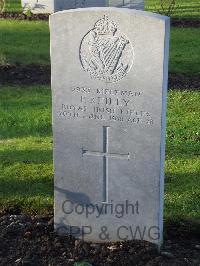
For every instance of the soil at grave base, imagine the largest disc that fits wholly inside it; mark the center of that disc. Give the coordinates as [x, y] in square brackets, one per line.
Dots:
[25, 75]
[185, 23]
[22, 16]
[41, 75]
[175, 22]
[30, 240]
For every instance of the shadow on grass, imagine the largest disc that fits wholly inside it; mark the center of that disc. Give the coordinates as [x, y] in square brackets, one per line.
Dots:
[22, 188]
[25, 42]
[26, 193]
[10, 157]
[189, 150]
[179, 227]
[182, 194]
[37, 131]
[181, 180]
[26, 180]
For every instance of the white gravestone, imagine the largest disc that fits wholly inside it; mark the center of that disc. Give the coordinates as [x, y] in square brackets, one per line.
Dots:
[38, 6]
[51, 6]
[109, 84]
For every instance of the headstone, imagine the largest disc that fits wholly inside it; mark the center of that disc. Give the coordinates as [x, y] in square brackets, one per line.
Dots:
[51, 6]
[136, 4]
[109, 84]
[71, 4]
[64, 5]
[38, 6]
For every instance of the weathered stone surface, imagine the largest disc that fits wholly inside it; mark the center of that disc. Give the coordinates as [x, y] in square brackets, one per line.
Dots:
[71, 4]
[136, 4]
[109, 83]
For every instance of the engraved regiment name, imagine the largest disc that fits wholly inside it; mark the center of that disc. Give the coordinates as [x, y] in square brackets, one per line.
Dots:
[107, 105]
[105, 53]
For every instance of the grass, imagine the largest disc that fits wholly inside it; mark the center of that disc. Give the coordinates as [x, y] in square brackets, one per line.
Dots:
[184, 8]
[184, 51]
[24, 42]
[13, 6]
[27, 42]
[26, 170]
[182, 195]
[26, 176]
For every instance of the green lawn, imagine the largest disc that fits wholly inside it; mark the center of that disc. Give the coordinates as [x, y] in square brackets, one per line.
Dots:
[182, 195]
[184, 8]
[24, 42]
[13, 6]
[26, 176]
[185, 51]
[26, 170]
[27, 42]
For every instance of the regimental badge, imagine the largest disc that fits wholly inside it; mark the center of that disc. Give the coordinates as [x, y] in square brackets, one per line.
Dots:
[105, 53]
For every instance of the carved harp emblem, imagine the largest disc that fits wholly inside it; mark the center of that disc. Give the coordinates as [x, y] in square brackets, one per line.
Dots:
[105, 53]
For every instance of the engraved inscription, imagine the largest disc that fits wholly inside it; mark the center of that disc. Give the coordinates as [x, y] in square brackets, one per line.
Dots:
[105, 53]
[105, 104]
[106, 155]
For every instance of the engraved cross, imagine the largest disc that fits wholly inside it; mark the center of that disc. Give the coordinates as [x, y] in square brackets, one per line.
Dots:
[106, 155]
